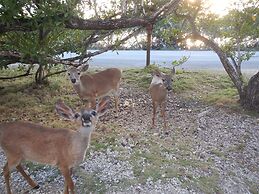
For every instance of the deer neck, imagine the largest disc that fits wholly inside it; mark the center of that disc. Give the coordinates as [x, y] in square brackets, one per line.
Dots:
[77, 87]
[85, 131]
[80, 89]
[83, 88]
[80, 143]
[156, 80]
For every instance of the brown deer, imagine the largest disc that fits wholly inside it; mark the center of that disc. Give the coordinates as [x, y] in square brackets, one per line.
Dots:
[160, 85]
[97, 85]
[60, 147]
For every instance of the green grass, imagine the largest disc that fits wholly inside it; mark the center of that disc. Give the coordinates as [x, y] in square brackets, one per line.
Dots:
[212, 88]
[90, 184]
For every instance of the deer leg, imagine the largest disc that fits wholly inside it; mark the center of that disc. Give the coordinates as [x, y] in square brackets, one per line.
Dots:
[92, 102]
[6, 173]
[163, 114]
[116, 99]
[69, 185]
[27, 177]
[13, 159]
[154, 114]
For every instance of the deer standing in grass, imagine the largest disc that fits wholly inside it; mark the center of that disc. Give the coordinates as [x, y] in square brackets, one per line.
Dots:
[160, 85]
[97, 85]
[64, 148]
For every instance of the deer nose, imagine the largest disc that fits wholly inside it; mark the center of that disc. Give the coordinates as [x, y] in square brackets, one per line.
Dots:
[169, 88]
[86, 120]
[73, 81]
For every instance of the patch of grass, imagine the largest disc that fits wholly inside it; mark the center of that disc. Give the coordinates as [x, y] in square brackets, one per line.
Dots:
[211, 88]
[137, 77]
[101, 142]
[218, 153]
[209, 184]
[253, 187]
[90, 183]
[223, 96]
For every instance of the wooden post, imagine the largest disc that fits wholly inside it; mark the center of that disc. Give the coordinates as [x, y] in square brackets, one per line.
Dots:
[149, 29]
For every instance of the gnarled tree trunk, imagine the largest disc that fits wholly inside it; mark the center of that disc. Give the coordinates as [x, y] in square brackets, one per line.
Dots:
[251, 100]
[248, 95]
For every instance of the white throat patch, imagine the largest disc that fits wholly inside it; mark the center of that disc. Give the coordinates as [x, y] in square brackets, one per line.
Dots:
[156, 80]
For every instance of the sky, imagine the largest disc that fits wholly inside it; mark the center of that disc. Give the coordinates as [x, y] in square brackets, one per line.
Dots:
[216, 6]
[219, 6]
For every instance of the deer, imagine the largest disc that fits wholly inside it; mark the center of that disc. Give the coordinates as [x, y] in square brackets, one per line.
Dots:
[94, 86]
[61, 147]
[159, 87]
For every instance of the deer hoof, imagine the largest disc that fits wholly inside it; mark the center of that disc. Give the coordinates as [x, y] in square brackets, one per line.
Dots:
[36, 187]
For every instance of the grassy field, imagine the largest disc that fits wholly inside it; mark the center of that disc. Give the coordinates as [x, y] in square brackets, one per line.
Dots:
[21, 99]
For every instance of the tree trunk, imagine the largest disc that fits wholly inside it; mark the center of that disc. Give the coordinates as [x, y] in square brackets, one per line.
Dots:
[39, 76]
[149, 41]
[249, 95]
[251, 99]
[233, 74]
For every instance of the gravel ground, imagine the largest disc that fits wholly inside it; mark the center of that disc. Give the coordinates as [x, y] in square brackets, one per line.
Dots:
[225, 141]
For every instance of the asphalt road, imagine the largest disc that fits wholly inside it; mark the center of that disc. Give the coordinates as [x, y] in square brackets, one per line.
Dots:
[198, 60]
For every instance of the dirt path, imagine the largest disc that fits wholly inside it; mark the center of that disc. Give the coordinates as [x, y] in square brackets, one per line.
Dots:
[204, 150]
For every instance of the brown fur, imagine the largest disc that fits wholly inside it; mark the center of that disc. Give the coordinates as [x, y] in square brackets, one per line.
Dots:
[95, 86]
[158, 95]
[158, 90]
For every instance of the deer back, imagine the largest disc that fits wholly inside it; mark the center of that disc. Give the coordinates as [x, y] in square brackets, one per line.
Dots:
[35, 142]
[100, 83]
[94, 85]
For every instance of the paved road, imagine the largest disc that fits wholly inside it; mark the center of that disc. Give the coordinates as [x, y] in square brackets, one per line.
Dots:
[199, 60]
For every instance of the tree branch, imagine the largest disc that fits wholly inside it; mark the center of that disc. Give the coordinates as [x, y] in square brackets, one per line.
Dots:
[27, 73]
[31, 24]
[170, 6]
[55, 73]
[74, 61]
[109, 47]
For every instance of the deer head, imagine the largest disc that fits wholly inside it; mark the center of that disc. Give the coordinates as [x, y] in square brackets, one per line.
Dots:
[75, 72]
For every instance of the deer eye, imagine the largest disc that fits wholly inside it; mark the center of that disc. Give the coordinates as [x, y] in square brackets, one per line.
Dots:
[94, 113]
[77, 115]
[78, 73]
[68, 74]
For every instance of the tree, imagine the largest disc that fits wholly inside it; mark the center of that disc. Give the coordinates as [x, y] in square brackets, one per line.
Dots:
[38, 32]
[240, 27]
[241, 30]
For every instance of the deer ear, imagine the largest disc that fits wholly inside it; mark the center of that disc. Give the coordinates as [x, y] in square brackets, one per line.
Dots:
[156, 72]
[83, 67]
[65, 111]
[103, 105]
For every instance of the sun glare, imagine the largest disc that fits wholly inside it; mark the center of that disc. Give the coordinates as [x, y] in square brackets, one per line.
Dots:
[219, 7]
[193, 43]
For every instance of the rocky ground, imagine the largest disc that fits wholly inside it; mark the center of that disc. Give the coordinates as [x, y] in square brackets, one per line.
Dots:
[205, 149]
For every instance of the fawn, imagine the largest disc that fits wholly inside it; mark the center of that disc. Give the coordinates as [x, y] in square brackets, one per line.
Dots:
[97, 85]
[64, 148]
[160, 85]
